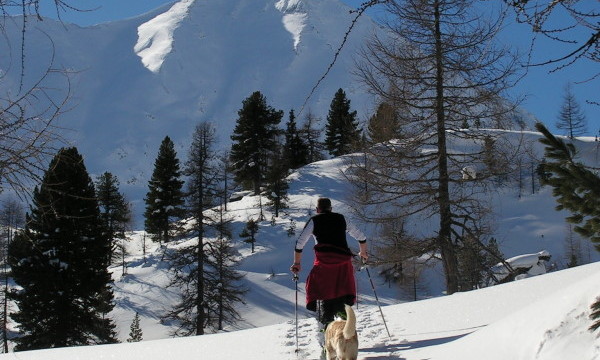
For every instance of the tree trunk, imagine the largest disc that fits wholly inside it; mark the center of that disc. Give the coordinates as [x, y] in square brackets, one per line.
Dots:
[444, 241]
[201, 316]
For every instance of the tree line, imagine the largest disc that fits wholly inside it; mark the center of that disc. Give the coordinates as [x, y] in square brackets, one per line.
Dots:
[261, 156]
[76, 227]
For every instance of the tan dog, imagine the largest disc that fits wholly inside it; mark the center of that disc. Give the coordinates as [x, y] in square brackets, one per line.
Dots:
[341, 340]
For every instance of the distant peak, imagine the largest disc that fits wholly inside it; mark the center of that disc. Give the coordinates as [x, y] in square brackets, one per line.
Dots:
[290, 6]
[155, 37]
[294, 18]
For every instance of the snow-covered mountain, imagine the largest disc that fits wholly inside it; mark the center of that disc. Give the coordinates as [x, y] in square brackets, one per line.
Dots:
[134, 81]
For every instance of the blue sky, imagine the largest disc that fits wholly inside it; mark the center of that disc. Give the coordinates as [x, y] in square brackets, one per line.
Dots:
[544, 90]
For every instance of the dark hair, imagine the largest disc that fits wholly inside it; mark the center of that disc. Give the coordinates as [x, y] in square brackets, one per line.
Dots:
[324, 204]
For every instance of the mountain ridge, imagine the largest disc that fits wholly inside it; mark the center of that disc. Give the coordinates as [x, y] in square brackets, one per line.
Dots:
[221, 52]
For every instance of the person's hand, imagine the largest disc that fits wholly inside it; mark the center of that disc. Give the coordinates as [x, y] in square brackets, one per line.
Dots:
[295, 268]
[363, 256]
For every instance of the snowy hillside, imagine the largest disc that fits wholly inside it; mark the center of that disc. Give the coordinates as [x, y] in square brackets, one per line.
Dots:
[134, 81]
[543, 317]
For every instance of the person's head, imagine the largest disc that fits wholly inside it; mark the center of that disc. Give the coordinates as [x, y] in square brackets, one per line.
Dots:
[323, 205]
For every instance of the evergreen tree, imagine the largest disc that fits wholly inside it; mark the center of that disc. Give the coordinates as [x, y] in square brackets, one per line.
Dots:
[295, 150]
[573, 253]
[254, 138]
[276, 183]
[228, 293]
[341, 131]
[202, 168]
[225, 178]
[311, 135]
[571, 118]
[249, 232]
[384, 125]
[541, 172]
[476, 260]
[576, 188]
[60, 260]
[135, 332]
[114, 212]
[164, 200]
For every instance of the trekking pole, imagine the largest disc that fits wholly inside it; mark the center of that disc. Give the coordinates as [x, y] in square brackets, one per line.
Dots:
[296, 310]
[376, 298]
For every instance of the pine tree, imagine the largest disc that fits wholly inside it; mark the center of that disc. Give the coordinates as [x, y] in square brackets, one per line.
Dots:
[164, 200]
[114, 212]
[311, 135]
[254, 138]
[202, 168]
[249, 232]
[576, 188]
[295, 150]
[60, 260]
[384, 124]
[276, 183]
[225, 178]
[228, 293]
[571, 118]
[135, 332]
[341, 131]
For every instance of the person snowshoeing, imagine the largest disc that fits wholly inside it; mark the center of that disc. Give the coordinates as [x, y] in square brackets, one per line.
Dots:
[332, 276]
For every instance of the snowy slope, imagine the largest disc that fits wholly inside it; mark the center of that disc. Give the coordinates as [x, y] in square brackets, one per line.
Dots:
[521, 221]
[134, 81]
[542, 318]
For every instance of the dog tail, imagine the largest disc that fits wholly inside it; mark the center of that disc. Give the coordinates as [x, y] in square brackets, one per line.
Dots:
[350, 327]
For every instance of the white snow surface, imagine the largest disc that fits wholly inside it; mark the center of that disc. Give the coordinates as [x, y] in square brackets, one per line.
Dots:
[545, 317]
[155, 37]
[294, 18]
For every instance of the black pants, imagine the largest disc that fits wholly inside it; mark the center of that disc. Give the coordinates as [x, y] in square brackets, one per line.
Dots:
[330, 308]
